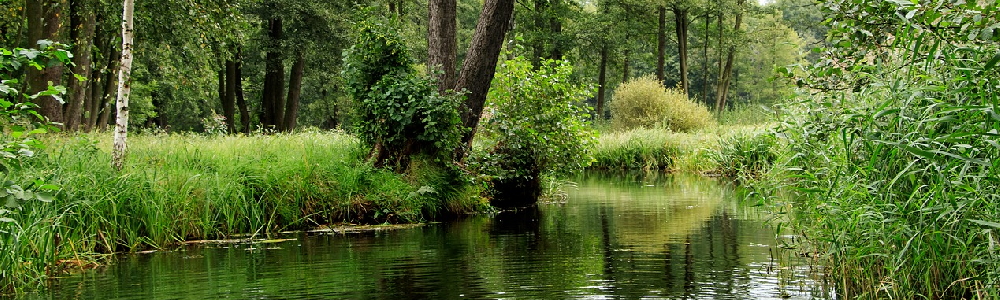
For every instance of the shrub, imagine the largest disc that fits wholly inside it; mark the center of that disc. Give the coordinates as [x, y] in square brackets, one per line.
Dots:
[644, 102]
[534, 129]
[399, 113]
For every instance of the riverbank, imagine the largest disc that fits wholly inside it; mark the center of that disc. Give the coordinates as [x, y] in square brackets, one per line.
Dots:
[176, 188]
[184, 187]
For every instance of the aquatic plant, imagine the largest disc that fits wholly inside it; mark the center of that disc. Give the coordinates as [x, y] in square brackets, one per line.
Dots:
[895, 164]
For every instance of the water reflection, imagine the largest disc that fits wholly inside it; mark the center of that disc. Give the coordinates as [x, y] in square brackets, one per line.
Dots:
[618, 236]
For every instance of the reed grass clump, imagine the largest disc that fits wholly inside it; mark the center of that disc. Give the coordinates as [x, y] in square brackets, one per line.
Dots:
[654, 149]
[644, 103]
[184, 187]
[746, 156]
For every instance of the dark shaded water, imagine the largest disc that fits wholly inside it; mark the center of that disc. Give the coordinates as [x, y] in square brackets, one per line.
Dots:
[657, 237]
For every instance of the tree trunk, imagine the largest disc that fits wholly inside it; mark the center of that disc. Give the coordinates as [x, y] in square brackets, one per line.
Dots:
[83, 23]
[704, 64]
[110, 82]
[294, 91]
[229, 102]
[661, 45]
[442, 44]
[240, 99]
[44, 24]
[538, 43]
[222, 87]
[602, 81]
[481, 62]
[92, 107]
[727, 72]
[274, 82]
[719, 78]
[555, 30]
[96, 92]
[681, 24]
[124, 88]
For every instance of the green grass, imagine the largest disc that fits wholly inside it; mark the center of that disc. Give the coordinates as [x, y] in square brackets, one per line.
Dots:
[899, 204]
[661, 149]
[183, 187]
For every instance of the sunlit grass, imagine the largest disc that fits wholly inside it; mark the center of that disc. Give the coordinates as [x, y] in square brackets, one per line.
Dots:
[661, 149]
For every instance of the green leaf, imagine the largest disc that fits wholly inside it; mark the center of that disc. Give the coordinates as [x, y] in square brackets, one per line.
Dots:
[992, 62]
[46, 197]
[986, 223]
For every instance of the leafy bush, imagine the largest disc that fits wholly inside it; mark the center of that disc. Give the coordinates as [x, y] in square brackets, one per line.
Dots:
[25, 241]
[534, 127]
[644, 103]
[399, 113]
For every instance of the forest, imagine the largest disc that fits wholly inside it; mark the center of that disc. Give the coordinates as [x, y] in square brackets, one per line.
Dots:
[866, 129]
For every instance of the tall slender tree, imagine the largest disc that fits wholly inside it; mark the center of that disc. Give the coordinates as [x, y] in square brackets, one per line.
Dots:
[124, 87]
[725, 77]
[45, 23]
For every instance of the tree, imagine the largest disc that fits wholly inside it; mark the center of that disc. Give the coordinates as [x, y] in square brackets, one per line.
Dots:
[481, 62]
[83, 23]
[442, 48]
[45, 23]
[726, 74]
[661, 42]
[681, 24]
[124, 87]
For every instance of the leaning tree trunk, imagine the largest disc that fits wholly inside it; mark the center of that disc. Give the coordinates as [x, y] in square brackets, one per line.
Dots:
[661, 45]
[681, 24]
[481, 62]
[294, 91]
[83, 23]
[442, 45]
[602, 81]
[44, 24]
[727, 72]
[124, 87]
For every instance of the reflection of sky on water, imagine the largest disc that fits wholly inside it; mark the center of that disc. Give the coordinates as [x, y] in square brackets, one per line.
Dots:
[626, 236]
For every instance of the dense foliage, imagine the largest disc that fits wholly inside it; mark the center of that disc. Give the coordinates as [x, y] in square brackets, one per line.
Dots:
[20, 243]
[896, 159]
[399, 113]
[534, 127]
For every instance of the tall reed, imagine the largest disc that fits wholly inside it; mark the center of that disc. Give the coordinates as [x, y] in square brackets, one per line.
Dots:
[183, 187]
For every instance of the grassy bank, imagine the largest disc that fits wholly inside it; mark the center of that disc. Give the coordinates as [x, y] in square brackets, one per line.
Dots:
[183, 187]
[706, 151]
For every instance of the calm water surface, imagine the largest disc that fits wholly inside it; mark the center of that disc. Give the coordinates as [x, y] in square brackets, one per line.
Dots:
[615, 237]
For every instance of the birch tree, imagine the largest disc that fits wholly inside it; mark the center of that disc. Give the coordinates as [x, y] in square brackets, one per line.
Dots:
[124, 87]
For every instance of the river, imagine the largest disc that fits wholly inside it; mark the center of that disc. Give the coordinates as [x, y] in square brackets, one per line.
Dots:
[625, 236]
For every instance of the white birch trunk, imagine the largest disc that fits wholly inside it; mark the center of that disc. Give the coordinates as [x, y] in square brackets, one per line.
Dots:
[124, 87]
